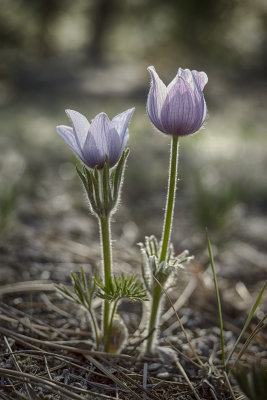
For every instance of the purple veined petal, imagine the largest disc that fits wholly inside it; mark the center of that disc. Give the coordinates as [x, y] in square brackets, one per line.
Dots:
[186, 75]
[173, 82]
[156, 98]
[100, 130]
[204, 113]
[120, 123]
[201, 79]
[93, 157]
[100, 127]
[103, 140]
[80, 126]
[178, 111]
[114, 147]
[67, 133]
[124, 139]
[196, 79]
[199, 116]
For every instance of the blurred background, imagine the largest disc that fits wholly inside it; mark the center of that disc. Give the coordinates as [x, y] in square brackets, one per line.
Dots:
[91, 56]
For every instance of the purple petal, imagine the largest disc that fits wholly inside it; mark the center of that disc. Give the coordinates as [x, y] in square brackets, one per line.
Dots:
[66, 132]
[192, 110]
[156, 98]
[204, 113]
[186, 75]
[124, 139]
[120, 123]
[93, 157]
[201, 79]
[114, 147]
[178, 111]
[99, 129]
[173, 82]
[80, 126]
[107, 142]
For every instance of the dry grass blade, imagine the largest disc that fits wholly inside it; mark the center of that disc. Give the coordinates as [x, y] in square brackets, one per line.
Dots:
[47, 369]
[219, 307]
[51, 307]
[250, 316]
[145, 377]
[63, 332]
[19, 396]
[25, 339]
[211, 389]
[112, 377]
[189, 289]
[70, 362]
[183, 355]
[255, 331]
[54, 387]
[27, 287]
[21, 316]
[187, 379]
[229, 385]
[28, 388]
[180, 323]
[133, 381]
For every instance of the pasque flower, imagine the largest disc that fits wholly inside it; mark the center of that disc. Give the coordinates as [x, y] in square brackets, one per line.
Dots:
[94, 142]
[178, 109]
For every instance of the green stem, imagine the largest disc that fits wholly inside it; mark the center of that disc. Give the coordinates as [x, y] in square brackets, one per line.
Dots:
[156, 296]
[165, 239]
[94, 323]
[112, 315]
[104, 222]
[166, 232]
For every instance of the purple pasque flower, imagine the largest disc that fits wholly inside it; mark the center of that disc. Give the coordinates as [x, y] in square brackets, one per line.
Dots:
[93, 142]
[178, 109]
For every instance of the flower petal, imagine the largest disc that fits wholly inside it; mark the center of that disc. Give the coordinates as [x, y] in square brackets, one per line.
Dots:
[173, 82]
[93, 157]
[186, 75]
[67, 133]
[121, 121]
[80, 126]
[156, 98]
[201, 79]
[99, 130]
[107, 142]
[115, 147]
[178, 109]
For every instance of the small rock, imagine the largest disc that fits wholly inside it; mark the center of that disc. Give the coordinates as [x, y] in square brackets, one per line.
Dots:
[154, 366]
[163, 375]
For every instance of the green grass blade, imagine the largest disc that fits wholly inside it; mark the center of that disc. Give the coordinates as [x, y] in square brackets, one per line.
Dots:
[217, 298]
[252, 312]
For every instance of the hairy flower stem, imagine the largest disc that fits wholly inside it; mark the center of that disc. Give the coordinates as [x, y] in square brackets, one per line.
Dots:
[165, 238]
[166, 232]
[104, 223]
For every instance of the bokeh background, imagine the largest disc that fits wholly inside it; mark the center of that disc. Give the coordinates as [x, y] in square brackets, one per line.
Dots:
[92, 56]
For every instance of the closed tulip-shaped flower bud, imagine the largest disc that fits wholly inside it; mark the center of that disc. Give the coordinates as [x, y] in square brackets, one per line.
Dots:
[93, 142]
[178, 109]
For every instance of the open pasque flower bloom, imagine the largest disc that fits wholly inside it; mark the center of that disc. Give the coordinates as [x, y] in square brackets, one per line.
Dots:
[93, 142]
[178, 109]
